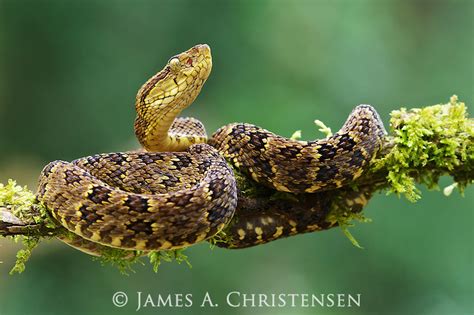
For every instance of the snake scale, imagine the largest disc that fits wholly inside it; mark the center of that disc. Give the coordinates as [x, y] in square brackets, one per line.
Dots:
[180, 190]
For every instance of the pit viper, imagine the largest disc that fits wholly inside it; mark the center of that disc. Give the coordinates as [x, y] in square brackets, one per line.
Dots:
[179, 189]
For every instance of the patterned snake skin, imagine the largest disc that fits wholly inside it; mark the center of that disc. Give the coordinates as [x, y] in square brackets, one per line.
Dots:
[181, 190]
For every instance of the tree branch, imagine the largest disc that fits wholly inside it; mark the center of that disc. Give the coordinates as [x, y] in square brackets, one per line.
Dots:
[423, 145]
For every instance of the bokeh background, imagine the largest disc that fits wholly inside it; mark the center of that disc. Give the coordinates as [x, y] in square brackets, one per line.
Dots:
[69, 72]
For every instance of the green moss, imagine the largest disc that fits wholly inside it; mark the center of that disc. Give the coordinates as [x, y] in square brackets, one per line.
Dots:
[323, 128]
[123, 260]
[22, 204]
[157, 257]
[221, 237]
[296, 135]
[429, 142]
[343, 216]
[22, 256]
[19, 199]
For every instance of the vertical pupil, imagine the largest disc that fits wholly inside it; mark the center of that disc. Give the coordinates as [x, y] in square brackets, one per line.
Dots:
[189, 61]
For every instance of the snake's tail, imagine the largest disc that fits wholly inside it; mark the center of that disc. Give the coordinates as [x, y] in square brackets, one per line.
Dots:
[364, 119]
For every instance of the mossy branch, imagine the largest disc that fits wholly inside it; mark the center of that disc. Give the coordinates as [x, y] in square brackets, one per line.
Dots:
[423, 144]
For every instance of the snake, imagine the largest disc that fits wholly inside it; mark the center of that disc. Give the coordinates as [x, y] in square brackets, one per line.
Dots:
[180, 189]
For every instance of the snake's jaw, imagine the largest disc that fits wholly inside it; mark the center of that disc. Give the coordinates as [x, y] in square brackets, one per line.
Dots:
[197, 63]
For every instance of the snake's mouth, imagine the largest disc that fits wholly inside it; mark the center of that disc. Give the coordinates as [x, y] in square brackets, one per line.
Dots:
[197, 57]
[202, 49]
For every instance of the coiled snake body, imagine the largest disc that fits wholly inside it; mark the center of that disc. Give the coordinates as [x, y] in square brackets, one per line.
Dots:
[181, 190]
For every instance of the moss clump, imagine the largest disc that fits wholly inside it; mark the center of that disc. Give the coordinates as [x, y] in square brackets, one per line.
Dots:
[124, 260]
[177, 255]
[344, 214]
[346, 220]
[428, 143]
[220, 237]
[22, 256]
[19, 199]
[22, 204]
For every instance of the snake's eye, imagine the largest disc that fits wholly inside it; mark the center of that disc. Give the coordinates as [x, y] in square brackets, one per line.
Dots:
[174, 63]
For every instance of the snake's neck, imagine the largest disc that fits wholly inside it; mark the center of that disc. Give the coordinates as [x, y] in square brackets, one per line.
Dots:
[153, 125]
[154, 132]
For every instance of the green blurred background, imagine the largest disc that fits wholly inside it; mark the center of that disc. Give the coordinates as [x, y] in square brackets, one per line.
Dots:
[69, 71]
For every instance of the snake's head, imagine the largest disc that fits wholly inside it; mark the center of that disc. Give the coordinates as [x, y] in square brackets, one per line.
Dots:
[197, 58]
[181, 79]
